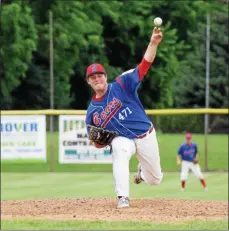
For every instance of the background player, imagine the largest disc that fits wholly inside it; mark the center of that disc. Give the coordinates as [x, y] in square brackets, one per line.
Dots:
[188, 158]
[116, 107]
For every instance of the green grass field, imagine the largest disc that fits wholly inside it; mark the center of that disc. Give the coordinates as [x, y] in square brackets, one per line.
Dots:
[168, 144]
[99, 225]
[32, 181]
[57, 185]
[75, 185]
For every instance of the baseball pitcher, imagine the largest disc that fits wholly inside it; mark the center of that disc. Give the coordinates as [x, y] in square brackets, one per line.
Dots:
[187, 157]
[117, 118]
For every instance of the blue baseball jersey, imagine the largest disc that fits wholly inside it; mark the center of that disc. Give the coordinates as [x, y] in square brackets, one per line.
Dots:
[120, 109]
[188, 152]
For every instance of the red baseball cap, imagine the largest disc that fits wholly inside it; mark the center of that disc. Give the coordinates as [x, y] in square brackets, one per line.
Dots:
[95, 68]
[188, 136]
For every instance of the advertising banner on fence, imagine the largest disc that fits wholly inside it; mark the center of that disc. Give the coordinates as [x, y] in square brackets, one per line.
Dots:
[23, 137]
[74, 146]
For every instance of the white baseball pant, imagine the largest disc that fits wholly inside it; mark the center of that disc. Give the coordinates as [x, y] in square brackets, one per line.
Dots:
[148, 155]
[195, 168]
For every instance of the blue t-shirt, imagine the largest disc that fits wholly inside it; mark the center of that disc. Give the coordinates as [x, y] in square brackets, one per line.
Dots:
[120, 109]
[188, 152]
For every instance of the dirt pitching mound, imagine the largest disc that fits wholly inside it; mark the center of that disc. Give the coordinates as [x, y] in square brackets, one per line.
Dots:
[160, 210]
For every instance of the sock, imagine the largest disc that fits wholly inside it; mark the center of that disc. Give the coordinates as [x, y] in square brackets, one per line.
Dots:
[183, 184]
[141, 176]
[202, 181]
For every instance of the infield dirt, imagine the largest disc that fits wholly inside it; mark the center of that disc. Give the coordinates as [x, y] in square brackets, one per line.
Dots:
[104, 209]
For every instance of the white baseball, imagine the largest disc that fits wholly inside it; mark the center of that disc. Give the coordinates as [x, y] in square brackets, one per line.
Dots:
[157, 21]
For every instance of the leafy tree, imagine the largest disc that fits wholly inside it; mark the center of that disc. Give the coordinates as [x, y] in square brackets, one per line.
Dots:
[116, 34]
[18, 40]
[190, 88]
[34, 90]
[126, 40]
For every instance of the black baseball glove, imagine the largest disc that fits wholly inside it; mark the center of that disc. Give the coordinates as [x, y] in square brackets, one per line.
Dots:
[100, 135]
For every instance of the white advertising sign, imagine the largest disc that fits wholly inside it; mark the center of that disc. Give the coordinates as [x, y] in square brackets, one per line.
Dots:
[74, 146]
[23, 137]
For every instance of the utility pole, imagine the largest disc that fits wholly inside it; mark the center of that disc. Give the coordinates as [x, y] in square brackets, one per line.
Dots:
[51, 128]
[51, 68]
[206, 116]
